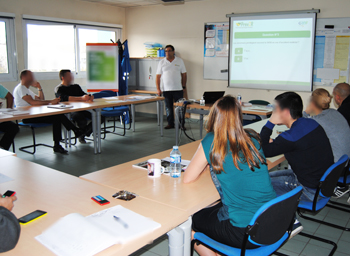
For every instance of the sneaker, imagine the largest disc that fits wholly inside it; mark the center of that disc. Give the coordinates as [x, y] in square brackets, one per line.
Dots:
[297, 228]
[340, 191]
[82, 140]
[59, 149]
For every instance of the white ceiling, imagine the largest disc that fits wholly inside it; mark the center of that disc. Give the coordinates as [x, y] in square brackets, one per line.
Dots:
[132, 3]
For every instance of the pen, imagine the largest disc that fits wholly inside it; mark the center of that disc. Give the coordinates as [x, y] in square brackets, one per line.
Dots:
[125, 225]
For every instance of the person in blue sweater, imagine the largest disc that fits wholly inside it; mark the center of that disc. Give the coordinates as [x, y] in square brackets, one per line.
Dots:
[236, 159]
[305, 146]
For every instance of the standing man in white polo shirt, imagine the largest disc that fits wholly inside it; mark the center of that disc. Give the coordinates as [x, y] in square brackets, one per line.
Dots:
[172, 72]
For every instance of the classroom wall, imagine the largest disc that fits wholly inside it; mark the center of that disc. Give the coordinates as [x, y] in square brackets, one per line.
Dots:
[65, 9]
[183, 26]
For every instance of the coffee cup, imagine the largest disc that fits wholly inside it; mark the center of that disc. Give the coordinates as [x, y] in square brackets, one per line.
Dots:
[155, 168]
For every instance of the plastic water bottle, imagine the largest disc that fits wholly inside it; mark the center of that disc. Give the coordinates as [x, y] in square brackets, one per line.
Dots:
[202, 101]
[239, 98]
[175, 162]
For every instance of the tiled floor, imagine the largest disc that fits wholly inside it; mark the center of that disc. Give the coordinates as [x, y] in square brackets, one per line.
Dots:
[145, 141]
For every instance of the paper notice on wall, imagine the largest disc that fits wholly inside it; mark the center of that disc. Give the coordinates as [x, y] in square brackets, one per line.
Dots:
[216, 41]
[210, 33]
[332, 56]
[328, 73]
[210, 43]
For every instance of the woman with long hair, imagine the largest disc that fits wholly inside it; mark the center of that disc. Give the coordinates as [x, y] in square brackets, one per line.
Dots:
[332, 121]
[239, 171]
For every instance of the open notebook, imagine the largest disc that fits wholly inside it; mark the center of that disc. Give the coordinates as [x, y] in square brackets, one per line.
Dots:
[76, 235]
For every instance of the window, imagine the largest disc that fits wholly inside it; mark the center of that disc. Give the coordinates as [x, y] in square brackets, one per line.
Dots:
[52, 46]
[8, 62]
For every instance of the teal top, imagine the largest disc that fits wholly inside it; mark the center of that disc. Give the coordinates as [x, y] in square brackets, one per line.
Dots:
[3, 92]
[243, 191]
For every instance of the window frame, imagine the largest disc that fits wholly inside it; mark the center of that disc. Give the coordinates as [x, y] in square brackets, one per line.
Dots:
[77, 26]
[11, 49]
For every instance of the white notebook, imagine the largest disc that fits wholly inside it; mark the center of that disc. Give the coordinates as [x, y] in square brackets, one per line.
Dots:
[76, 235]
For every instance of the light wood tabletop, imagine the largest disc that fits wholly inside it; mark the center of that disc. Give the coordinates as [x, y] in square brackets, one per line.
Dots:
[253, 110]
[170, 191]
[42, 188]
[39, 111]
[143, 92]
[4, 153]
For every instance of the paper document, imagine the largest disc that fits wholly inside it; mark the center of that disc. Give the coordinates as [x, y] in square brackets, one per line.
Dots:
[110, 98]
[76, 235]
[141, 97]
[165, 163]
[137, 225]
[60, 106]
[15, 112]
[4, 178]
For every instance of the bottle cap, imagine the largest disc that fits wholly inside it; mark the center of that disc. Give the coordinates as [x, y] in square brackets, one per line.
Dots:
[175, 147]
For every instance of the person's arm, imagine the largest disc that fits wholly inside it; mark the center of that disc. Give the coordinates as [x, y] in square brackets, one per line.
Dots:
[196, 167]
[9, 226]
[274, 147]
[38, 102]
[41, 95]
[184, 80]
[158, 84]
[9, 100]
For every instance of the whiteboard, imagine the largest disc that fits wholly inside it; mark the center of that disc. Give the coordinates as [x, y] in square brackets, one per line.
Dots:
[214, 66]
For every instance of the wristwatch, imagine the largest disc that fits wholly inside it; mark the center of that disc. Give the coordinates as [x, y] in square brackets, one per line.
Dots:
[40, 90]
[184, 87]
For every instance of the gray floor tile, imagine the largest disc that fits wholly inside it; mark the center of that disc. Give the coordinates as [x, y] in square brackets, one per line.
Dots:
[314, 250]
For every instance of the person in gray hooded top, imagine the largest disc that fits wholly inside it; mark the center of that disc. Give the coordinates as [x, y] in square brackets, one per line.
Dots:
[333, 122]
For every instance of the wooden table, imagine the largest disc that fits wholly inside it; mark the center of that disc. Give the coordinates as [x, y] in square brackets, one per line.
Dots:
[4, 153]
[169, 191]
[194, 108]
[42, 188]
[94, 108]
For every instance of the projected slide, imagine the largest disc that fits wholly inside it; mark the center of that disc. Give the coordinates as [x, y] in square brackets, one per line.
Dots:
[273, 52]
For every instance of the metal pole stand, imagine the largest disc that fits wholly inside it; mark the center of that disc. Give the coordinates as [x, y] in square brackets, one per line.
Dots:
[180, 239]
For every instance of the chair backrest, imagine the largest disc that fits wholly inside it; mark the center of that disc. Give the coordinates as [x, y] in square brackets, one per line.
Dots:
[259, 102]
[271, 222]
[111, 93]
[330, 178]
[99, 95]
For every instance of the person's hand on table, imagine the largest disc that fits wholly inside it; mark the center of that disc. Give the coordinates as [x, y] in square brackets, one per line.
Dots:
[7, 202]
[275, 118]
[86, 97]
[159, 92]
[91, 98]
[55, 101]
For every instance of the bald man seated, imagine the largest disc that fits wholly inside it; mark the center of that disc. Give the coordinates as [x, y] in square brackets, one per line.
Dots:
[341, 93]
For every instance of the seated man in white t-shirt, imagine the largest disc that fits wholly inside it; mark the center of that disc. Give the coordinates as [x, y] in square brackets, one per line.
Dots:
[172, 72]
[25, 97]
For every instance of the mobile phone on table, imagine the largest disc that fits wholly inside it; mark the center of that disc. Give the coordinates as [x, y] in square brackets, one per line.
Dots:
[100, 200]
[9, 193]
[31, 217]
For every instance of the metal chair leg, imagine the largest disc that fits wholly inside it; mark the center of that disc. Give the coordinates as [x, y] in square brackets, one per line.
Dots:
[323, 222]
[34, 145]
[321, 240]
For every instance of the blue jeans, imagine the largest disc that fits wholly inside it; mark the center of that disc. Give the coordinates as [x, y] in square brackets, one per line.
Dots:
[285, 180]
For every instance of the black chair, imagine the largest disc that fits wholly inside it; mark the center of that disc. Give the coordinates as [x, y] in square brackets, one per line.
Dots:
[269, 229]
[325, 190]
[33, 126]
